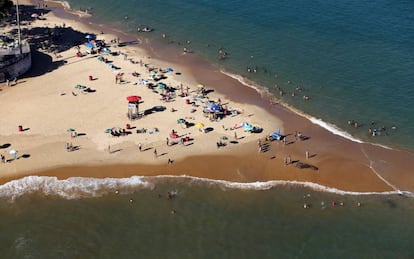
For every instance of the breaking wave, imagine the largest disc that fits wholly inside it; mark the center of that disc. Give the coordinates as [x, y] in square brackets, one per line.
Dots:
[71, 188]
[83, 187]
[334, 129]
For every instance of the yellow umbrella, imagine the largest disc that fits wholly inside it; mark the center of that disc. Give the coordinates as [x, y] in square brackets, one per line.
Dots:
[199, 125]
[200, 86]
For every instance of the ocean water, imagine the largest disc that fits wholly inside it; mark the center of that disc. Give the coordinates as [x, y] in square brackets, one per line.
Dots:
[41, 217]
[354, 59]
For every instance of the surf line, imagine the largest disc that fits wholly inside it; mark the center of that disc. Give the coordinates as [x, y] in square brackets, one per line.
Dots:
[371, 166]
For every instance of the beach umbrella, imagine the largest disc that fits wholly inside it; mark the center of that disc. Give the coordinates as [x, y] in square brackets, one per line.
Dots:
[89, 37]
[107, 131]
[34, 15]
[70, 130]
[13, 152]
[180, 120]
[133, 98]
[169, 69]
[199, 125]
[89, 45]
[161, 85]
[200, 86]
[248, 127]
[152, 73]
[215, 107]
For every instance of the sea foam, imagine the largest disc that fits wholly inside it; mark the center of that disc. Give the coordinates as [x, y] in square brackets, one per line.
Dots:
[84, 187]
[71, 188]
[334, 129]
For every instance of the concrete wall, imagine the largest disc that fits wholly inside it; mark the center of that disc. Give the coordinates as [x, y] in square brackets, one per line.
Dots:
[15, 65]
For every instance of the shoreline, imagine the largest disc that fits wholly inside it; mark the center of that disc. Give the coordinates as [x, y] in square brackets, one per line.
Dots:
[360, 157]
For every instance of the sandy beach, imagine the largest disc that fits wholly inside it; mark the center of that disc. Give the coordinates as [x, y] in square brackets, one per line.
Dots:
[48, 102]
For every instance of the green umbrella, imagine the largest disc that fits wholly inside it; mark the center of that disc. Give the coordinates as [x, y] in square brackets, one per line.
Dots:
[180, 120]
[70, 130]
[161, 85]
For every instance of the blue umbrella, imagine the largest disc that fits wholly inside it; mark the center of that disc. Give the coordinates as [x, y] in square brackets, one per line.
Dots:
[170, 69]
[215, 108]
[89, 37]
[89, 45]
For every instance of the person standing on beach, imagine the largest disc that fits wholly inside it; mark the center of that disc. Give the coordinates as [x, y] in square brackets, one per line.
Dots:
[155, 153]
[140, 147]
[307, 154]
[168, 141]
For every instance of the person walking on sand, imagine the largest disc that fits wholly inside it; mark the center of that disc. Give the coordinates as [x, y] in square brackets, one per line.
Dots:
[155, 153]
[168, 141]
[235, 135]
[140, 147]
[307, 154]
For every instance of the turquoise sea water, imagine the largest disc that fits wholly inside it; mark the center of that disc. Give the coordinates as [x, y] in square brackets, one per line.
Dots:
[202, 220]
[355, 59]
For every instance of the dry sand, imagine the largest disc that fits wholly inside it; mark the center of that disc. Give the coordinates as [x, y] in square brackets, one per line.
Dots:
[46, 103]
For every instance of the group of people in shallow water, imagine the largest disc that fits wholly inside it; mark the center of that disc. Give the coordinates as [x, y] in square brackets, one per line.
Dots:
[334, 203]
[372, 130]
